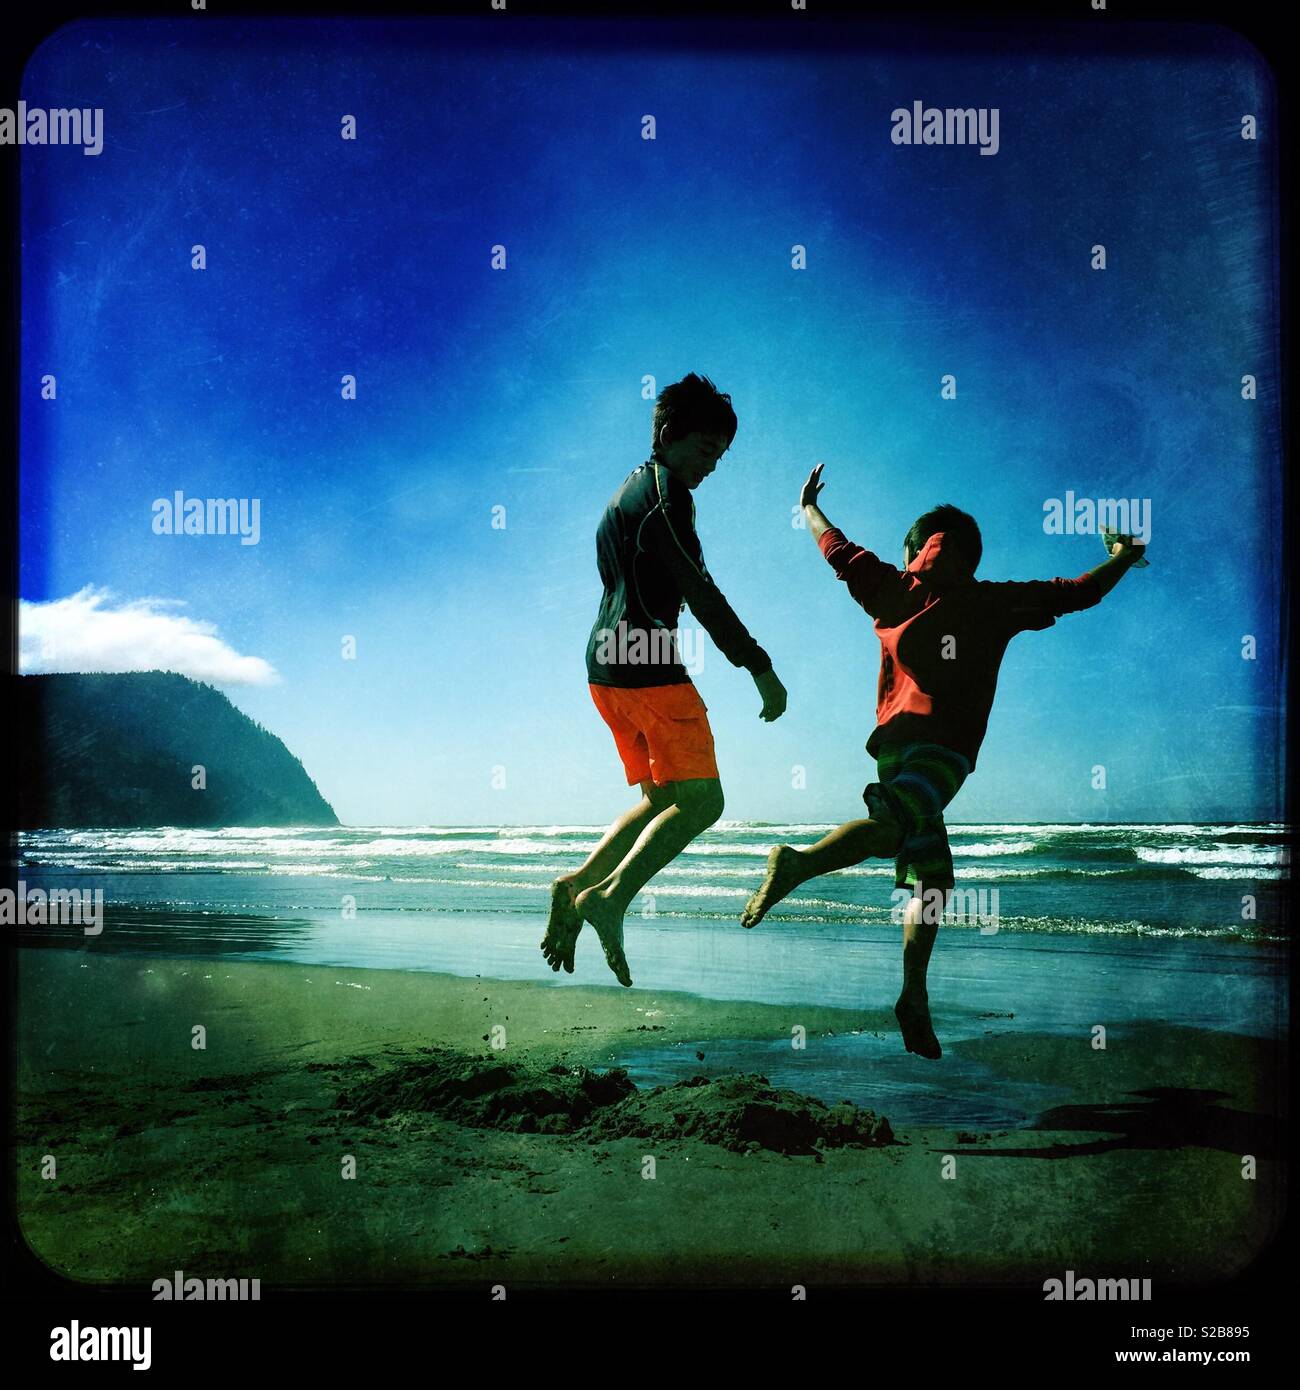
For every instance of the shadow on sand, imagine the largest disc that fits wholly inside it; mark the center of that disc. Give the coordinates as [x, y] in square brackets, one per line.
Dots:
[1164, 1117]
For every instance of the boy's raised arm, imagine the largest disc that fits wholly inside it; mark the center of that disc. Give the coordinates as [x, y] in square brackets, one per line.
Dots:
[869, 579]
[818, 522]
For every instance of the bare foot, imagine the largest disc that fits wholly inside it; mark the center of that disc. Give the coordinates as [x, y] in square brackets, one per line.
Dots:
[913, 1015]
[562, 927]
[608, 922]
[782, 878]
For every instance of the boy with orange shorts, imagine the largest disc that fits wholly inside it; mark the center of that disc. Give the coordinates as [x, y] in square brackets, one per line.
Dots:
[651, 566]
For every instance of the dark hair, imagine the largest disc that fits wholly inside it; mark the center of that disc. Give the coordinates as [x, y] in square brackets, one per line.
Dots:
[693, 405]
[958, 525]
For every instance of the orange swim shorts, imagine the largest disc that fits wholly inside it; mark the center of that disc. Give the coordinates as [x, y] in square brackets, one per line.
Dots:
[661, 731]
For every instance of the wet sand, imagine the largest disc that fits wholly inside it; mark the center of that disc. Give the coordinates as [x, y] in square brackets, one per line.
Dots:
[230, 1160]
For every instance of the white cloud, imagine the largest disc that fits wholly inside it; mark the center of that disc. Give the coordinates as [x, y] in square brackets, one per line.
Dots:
[89, 631]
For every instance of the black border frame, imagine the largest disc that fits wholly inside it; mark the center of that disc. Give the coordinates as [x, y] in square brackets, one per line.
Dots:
[980, 1331]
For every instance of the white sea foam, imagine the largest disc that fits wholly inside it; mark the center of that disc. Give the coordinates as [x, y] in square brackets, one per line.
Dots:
[980, 849]
[1228, 854]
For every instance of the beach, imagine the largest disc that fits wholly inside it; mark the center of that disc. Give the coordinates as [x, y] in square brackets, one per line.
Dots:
[391, 1088]
[228, 1161]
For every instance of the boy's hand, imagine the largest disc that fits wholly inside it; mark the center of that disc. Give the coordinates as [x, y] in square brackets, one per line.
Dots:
[814, 485]
[1133, 551]
[774, 696]
[1123, 554]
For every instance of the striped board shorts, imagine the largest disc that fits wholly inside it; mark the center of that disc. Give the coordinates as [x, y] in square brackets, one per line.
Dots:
[917, 780]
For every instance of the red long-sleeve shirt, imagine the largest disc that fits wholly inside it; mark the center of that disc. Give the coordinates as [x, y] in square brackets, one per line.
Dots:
[943, 634]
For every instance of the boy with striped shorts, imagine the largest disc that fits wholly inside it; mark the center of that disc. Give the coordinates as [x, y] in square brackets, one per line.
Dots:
[943, 634]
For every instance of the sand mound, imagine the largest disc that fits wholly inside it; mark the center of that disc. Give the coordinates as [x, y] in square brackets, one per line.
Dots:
[739, 1113]
[736, 1112]
[488, 1094]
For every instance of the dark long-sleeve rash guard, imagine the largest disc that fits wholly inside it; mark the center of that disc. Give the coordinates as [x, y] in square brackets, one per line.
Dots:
[650, 563]
[943, 634]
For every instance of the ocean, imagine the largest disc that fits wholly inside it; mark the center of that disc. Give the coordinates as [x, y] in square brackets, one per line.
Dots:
[1127, 880]
[1115, 924]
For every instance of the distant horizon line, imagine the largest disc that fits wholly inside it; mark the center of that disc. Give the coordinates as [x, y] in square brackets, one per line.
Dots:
[531, 824]
[488, 825]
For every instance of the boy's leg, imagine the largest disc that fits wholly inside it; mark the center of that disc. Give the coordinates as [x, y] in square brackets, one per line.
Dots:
[845, 846]
[621, 711]
[697, 803]
[620, 837]
[929, 778]
[565, 924]
[913, 1007]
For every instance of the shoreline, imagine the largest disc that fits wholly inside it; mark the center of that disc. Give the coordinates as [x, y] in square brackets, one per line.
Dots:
[1048, 982]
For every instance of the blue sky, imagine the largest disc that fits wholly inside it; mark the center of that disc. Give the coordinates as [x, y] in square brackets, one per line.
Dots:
[522, 389]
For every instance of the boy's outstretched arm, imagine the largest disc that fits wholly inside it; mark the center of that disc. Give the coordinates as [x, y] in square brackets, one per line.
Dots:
[1035, 604]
